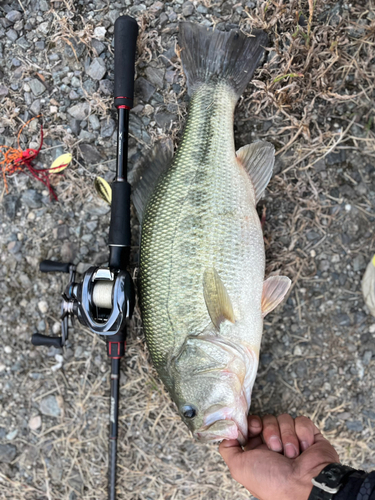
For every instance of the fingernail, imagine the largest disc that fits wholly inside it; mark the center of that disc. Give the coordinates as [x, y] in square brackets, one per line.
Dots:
[275, 443]
[304, 445]
[290, 450]
[254, 423]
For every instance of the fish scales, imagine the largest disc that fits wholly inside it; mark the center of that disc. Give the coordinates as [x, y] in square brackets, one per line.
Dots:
[202, 290]
[201, 215]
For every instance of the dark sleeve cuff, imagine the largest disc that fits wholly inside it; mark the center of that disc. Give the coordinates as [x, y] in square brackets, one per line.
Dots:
[358, 486]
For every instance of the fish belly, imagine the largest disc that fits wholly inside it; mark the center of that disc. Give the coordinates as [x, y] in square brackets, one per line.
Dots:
[201, 215]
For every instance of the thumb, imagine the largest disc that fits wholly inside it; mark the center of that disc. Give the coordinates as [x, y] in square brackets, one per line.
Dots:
[231, 452]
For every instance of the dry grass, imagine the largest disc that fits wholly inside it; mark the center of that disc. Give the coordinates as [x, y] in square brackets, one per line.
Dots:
[319, 74]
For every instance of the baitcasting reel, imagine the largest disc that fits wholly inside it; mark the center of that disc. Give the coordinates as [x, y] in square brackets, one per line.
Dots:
[103, 301]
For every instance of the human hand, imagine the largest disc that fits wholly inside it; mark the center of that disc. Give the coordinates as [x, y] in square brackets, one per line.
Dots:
[301, 453]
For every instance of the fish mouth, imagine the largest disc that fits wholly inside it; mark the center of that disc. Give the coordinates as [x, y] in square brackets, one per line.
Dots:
[225, 423]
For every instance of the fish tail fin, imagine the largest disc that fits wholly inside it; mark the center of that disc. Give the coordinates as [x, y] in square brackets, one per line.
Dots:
[212, 56]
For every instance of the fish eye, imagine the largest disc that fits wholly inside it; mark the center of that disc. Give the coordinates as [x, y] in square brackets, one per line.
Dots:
[189, 411]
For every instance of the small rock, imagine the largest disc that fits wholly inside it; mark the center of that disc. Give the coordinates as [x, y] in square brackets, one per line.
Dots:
[90, 153]
[301, 369]
[359, 263]
[37, 87]
[74, 49]
[336, 157]
[107, 127]
[320, 165]
[8, 453]
[73, 96]
[99, 33]
[8, 349]
[61, 232]
[31, 198]
[155, 76]
[43, 306]
[297, 351]
[69, 251]
[97, 69]
[106, 86]
[14, 247]
[87, 136]
[187, 9]
[94, 122]
[23, 43]
[98, 46]
[344, 416]
[75, 126]
[13, 16]
[35, 423]
[11, 204]
[3, 91]
[12, 35]
[143, 89]
[367, 357]
[324, 265]
[79, 111]
[354, 425]
[49, 406]
[312, 235]
[75, 82]
[11, 435]
[113, 15]
[40, 45]
[35, 107]
[44, 6]
[56, 327]
[90, 86]
[164, 118]
[342, 319]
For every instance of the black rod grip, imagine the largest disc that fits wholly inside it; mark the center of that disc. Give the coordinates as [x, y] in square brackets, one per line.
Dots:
[39, 339]
[119, 231]
[126, 32]
[51, 266]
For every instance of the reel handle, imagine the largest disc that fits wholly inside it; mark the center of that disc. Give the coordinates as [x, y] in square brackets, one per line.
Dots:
[39, 339]
[51, 266]
[126, 32]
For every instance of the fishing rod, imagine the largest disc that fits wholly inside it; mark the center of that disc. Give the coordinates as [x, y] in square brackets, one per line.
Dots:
[104, 299]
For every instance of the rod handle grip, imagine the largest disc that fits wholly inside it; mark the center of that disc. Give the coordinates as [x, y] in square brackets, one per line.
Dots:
[126, 32]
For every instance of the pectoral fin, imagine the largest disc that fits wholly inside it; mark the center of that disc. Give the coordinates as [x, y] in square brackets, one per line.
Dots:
[274, 290]
[217, 299]
[258, 159]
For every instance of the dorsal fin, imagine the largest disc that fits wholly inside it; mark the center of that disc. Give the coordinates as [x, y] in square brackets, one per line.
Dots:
[274, 290]
[258, 159]
[217, 299]
[147, 175]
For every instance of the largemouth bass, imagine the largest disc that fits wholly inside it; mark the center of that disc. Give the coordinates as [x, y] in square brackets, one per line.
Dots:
[202, 262]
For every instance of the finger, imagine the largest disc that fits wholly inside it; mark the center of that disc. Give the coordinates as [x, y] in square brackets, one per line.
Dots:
[288, 435]
[305, 429]
[254, 425]
[271, 433]
[232, 453]
[253, 443]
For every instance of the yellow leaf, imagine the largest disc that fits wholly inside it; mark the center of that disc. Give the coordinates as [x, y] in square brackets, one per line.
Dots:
[103, 189]
[60, 163]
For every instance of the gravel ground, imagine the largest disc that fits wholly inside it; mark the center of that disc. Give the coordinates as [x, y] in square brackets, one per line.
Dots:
[313, 98]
